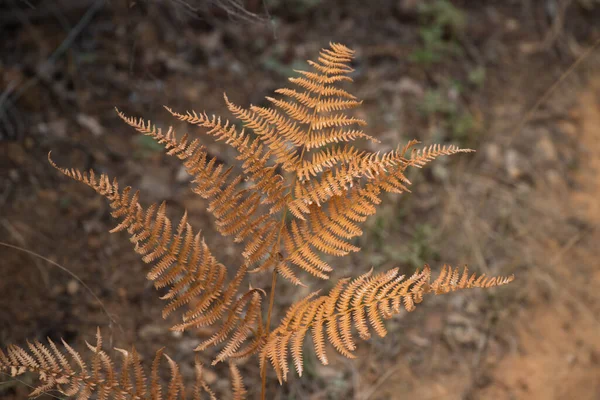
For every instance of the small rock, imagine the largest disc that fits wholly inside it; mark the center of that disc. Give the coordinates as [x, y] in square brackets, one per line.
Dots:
[568, 128]
[209, 376]
[434, 323]
[93, 226]
[546, 150]
[492, 153]
[90, 123]
[461, 329]
[472, 308]
[410, 86]
[327, 372]
[211, 42]
[182, 175]
[440, 172]
[408, 7]
[512, 163]
[522, 189]
[56, 128]
[529, 47]
[150, 330]
[72, 287]
[13, 174]
[419, 341]
[186, 343]
[458, 319]
[511, 25]
[554, 178]
[177, 334]
[156, 184]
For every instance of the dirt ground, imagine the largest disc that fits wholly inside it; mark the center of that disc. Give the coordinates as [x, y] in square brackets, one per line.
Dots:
[452, 72]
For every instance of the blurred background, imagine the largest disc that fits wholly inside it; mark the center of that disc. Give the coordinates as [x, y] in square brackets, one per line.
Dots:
[441, 71]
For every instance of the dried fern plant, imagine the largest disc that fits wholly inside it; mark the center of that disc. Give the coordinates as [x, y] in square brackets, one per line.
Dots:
[285, 224]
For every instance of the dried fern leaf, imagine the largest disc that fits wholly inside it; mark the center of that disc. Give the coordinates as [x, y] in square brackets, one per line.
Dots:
[308, 133]
[181, 261]
[283, 151]
[236, 208]
[253, 155]
[239, 390]
[362, 304]
[322, 181]
[66, 372]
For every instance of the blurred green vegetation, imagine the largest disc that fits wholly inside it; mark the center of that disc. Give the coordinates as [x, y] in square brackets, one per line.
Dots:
[441, 24]
[454, 119]
[146, 146]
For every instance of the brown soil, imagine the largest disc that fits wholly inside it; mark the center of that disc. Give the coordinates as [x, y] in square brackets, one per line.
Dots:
[557, 354]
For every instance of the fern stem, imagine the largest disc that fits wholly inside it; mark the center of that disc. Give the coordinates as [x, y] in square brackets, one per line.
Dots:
[263, 371]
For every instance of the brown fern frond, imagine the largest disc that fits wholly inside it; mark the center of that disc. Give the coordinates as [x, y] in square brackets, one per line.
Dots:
[319, 105]
[329, 234]
[284, 225]
[386, 171]
[313, 107]
[283, 151]
[181, 261]
[334, 225]
[201, 386]
[253, 154]
[363, 304]
[323, 90]
[338, 183]
[321, 138]
[232, 203]
[66, 372]
[420, 157]
[235, 209]
[328, 158]
[239, 390]
[361, 163]
[249, 305]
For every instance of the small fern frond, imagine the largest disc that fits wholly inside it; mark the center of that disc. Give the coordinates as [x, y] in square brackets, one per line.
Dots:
[386, 171]
[361, 163]
[319, 105]
[181, 261]
[239, 390]
[200, 385]
[253, 154]
[283, 151]
[322, 138]
[363, 304]
[324, 233]
[74, 379]
[420, 157]
[235, 208]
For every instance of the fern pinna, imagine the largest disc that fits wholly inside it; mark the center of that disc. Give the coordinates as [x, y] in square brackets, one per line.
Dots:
[302, 191]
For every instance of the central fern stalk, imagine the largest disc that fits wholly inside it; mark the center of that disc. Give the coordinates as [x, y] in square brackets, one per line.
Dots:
[263, 370]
